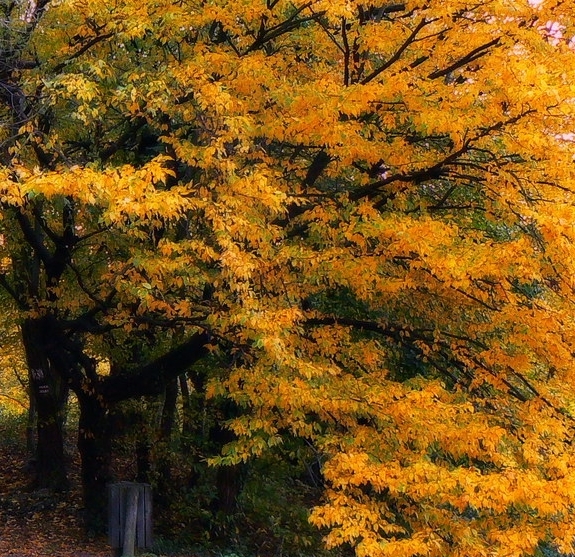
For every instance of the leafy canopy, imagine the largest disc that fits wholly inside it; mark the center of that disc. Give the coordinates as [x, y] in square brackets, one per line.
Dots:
[369, 209]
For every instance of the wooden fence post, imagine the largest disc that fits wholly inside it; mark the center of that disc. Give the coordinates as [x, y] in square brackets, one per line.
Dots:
[129, 542]
[129, 517]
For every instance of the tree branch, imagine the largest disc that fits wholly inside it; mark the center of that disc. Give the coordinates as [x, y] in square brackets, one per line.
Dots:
[31, 236]
[435, 170]
[151, 378]
[266, 35]
[397, 55]
[470, 57]
[20, 300]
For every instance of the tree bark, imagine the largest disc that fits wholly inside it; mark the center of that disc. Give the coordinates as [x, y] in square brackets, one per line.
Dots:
[169, 411]
[151, 379]
[95, 448]
[163, 454]
[50, 395]
[229, 479]
[31, 424]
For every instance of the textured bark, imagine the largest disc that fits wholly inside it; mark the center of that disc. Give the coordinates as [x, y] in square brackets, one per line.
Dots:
[94, 445]
[50, 395]
[151, 379]
[164, 458]
[229, 479]
[31, 425]
[189, 417]
[169, 411]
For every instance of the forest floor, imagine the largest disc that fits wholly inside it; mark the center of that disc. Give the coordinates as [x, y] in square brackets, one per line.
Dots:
[40, 523]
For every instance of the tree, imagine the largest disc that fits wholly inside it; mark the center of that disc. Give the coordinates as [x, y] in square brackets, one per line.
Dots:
[365, 210]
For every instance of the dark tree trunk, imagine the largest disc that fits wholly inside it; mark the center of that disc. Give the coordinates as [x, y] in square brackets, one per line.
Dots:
[31, 425]
[95, 447]
[163, 456]
[195, 429]
[50, 396]
[169, 411]
[143, 445]
[143, 457]
[189, 420]
[72, 366]
[229, 479]
[229, 484]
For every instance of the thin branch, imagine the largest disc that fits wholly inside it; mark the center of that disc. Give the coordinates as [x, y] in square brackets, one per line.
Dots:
[435, 170]
[266, 35]
[87, 46]
[111, 149]
[102, 304]
[463, 293]
[328, 32]
[511, 389]
[397, 55]
[14, 400]
[346, 52]
[89, 235]
[470, 57]
[16, 296]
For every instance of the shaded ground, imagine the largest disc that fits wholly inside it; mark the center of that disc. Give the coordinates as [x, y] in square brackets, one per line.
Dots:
[40, 524]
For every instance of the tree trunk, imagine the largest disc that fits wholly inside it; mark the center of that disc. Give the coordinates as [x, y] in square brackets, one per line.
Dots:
[163, 456]
[95, 447]
[194, 426]
[169, 411]
[31, 425]
[189, 419]
[143, 460]
[229, 483]
[50, 396]
[229, 479]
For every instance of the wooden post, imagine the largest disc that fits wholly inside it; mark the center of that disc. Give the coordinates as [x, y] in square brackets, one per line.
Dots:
[129, 546]
[129, 517]
[144, 527]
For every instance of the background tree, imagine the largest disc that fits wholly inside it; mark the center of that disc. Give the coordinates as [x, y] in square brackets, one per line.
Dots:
[363, 211]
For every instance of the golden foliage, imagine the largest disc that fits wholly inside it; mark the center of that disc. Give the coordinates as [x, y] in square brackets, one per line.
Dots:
[379, 201]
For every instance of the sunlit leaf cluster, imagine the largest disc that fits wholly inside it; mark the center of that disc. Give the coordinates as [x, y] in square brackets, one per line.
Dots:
[369, 210]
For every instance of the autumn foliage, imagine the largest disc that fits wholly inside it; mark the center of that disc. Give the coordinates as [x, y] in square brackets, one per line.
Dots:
[364, 212]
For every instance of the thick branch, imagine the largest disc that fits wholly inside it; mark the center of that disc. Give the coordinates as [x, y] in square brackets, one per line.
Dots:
[151, 378]
[318, 165]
